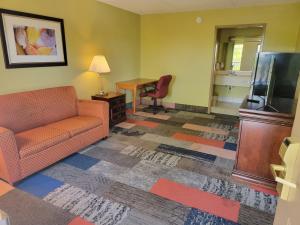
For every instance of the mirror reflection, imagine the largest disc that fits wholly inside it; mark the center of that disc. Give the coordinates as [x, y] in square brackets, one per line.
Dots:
[237, 48]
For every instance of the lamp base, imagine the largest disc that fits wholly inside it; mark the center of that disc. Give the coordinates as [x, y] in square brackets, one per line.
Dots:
[102, 93]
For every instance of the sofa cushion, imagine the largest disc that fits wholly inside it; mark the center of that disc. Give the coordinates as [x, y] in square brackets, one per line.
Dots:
[27, 110]
[77, 124]
[38, 139]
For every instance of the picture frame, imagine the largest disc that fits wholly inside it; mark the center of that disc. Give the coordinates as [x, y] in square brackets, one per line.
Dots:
[31, 40]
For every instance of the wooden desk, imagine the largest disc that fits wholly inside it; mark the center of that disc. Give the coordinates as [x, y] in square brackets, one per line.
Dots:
[260, 136]
[133, 86]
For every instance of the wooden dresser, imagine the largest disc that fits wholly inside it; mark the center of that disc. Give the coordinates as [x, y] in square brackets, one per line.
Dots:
[117, 106]
[260, 136]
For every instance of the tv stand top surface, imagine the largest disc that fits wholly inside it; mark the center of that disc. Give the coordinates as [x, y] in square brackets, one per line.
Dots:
[286, 107]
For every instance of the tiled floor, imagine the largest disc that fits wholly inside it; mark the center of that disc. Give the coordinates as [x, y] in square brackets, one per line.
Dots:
[172, 168]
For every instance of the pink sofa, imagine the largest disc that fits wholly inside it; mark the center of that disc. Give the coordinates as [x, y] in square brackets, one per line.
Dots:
[38, 128]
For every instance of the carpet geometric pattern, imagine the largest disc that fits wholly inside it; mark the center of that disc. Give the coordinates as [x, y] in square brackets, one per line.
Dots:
[162, 169]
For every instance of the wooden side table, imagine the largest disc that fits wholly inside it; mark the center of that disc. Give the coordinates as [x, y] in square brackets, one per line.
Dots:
[117, 106]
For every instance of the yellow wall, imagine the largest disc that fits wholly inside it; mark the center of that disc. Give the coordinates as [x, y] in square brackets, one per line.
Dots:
[91, 28]
[176, 44]
[166, 43]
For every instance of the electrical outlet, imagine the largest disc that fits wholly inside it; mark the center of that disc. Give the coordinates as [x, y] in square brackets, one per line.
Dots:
[289, 222]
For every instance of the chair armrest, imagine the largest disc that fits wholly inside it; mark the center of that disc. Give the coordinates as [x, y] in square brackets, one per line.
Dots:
[9, 156]
[95, 108]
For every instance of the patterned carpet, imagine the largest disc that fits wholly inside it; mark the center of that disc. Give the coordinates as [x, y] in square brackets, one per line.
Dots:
[172, 168]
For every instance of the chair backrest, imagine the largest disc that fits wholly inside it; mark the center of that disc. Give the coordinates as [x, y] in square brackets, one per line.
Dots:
[163, 86]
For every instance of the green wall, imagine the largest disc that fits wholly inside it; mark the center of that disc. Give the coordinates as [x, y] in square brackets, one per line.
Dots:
[174, 43]
[91, 28]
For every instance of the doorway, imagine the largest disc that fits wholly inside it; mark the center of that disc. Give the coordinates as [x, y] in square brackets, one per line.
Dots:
[236, 48]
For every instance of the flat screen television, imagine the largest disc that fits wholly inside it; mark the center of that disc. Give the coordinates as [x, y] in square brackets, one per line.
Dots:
[280, 70]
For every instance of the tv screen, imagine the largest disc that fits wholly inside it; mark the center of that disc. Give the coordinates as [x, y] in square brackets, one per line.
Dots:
[285, 71]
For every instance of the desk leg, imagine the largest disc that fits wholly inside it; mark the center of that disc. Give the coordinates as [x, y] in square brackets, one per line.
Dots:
[134, 91]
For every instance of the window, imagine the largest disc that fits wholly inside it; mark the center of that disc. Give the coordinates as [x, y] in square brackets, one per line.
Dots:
[237, 56]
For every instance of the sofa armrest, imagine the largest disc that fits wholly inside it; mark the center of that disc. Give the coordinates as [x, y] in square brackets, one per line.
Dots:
[9, 156]
[97, 109]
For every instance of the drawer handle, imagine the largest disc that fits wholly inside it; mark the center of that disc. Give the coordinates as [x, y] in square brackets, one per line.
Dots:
[280, 168]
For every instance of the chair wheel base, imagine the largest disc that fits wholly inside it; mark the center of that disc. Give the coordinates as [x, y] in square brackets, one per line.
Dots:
[155, 109]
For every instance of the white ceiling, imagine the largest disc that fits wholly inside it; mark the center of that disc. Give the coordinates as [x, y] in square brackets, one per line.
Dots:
[166, 6]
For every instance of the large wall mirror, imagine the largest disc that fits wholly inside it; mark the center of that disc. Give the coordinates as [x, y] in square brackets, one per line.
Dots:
[237, 47]
[235, 56]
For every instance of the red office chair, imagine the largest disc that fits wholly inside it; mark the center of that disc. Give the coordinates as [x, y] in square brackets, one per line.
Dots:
[159, 92]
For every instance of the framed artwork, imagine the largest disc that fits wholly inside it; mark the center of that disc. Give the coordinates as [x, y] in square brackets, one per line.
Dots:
[30, 40]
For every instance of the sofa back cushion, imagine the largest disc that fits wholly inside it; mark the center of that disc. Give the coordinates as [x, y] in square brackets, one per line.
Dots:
[27, 110]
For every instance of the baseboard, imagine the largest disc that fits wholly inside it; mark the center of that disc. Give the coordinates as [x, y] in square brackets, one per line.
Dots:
[171, 105]
[191, 108]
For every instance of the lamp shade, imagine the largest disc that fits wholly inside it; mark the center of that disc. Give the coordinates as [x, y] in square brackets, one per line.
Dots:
[99, 65]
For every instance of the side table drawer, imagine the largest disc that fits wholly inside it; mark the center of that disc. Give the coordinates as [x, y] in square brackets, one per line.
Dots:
[118, 110]
[118, 101]
[117, 107]
[116, 117]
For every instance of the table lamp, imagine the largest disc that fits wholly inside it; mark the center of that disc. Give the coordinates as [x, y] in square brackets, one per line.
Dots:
[99, 65]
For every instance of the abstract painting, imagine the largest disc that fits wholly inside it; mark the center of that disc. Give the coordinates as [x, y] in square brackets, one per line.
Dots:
[31, 40]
